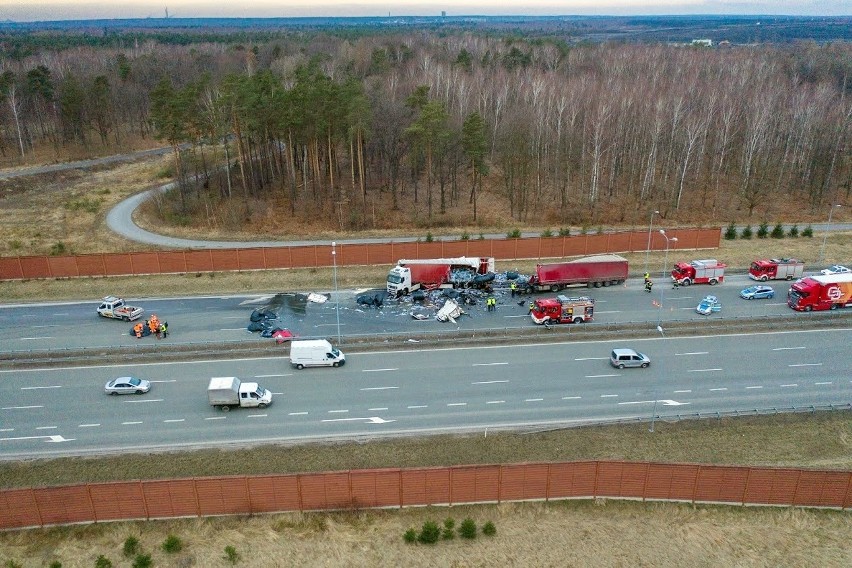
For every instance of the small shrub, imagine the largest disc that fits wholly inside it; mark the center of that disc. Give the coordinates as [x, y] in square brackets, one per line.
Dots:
[449, 532]
[489, 529]
[410, 536]
[746, 232]
[564, 231]
[57, 249]
[808, 232]
[430, 533]
[429, 238]
[584, 230]
[131, 546]
[465, 237]
[143, 561]
[103, 562]
[15, 244]
[56, 564]
[600, 230]
[172, 544]
[763, 230]
[481, 237]
[514, 234]
[777, 232]
[794, 232]
[547, 233]
[731, 232]
[231, 554]
[467, 529]
[13, 564]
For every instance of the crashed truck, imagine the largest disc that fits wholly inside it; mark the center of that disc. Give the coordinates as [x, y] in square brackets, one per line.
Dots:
[410, 275]
[591, 271]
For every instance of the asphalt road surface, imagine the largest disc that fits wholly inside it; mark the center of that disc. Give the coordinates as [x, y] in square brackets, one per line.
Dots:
[47, 412]
[39, 327]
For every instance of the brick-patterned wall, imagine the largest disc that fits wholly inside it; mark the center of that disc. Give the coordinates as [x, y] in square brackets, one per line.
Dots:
[362, 489]
[218, 260]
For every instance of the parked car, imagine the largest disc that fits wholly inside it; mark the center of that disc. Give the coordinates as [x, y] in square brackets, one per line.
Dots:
[709, 305]
[127, 385]
[622, 358]
[835, 269]
[757, 293]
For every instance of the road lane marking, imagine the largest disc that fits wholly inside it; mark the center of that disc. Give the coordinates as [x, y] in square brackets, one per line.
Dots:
[608, 312]
[600, 376]
[571, 397]
[790, 385]
[34, 388]
[694, 353]
[682, 391]
[702, 370]
[43, 326]
[419, 406]
[216, 418]
[377, 370]
[534, 400]
[823, 383]
[495, 402]
[164, 381]
[266, 376]
[456, 404]
[375, 409]
[592, 359]
[666, 402]
[298, 414]
[720, 389]
[609, 396]
[88, 425]
[141, 401]
[338, 411]
[488, 382]
[47, 427]
[788, 348]
[33, 338]
[371, 420]
[806, 365]
[175, 420]
[521, 316]
[7, 429]
[257, 416]
[19, 407]
[378, 388]
[131, 423]
[233, 329]
[756, 387]
[54, 438]
[489, 364]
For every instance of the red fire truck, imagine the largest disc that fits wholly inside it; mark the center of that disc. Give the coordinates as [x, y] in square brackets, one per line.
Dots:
[824, 292]
[776, 269]
[563, 309]
[708, 271]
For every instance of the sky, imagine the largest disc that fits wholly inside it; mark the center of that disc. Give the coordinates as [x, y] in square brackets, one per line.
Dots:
[41, 10]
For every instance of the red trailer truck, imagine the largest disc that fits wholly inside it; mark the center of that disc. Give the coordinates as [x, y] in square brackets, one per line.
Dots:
[563, 309]
[600, 270]
[410, 275]
[824, 292]
[708, 271]
[776, 269]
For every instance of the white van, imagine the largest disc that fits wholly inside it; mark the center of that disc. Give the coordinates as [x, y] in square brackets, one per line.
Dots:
[315, 353]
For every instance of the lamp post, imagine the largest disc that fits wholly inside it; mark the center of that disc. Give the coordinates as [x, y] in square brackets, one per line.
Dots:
[336, 294]
[665, 264]
[648, 250]
[825, 233]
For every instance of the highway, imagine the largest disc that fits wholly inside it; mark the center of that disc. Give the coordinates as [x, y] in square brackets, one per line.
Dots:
[50, 412]
[40, 327]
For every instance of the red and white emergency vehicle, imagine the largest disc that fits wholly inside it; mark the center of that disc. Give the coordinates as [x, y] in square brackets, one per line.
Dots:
[776, 269]
[709, 271]
[563, 309]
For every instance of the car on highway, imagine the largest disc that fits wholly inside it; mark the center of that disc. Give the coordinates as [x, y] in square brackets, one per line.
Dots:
[835, 269]
[127, 385]
[757, 293]
[709, 305]
[622, 358]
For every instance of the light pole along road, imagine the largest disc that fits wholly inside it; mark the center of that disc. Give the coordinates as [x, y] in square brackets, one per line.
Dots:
[50, 412]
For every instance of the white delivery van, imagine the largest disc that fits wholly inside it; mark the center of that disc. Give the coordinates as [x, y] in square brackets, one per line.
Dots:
[315, 353]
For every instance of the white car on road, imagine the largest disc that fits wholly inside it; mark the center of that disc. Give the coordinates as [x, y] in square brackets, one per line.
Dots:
[835, 269]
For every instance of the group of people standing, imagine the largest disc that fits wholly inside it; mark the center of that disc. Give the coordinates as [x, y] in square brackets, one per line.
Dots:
[152, 326]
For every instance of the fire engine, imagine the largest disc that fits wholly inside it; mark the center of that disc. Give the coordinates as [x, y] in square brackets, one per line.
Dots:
[563, 309]
[776, 269]
[708, 271]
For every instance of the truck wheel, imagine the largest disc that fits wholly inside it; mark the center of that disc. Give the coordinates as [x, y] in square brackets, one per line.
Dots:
[554, 288]
[529, 290]
[125, 318]
[226, 408]
[578, 320]
[262, 405]
[597, 284]
[833, 307]
[764, 278]
[686, 282]
[605, 283]
[300, 366]
[335, 364]
[808, 308]
[713, 282]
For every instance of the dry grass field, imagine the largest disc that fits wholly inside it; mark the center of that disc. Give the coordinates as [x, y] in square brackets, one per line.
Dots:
[36, 215]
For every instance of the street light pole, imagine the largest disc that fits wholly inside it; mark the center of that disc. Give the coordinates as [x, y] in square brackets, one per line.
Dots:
[648, 249]
[825, 233]
[336, 294]
[665, 264]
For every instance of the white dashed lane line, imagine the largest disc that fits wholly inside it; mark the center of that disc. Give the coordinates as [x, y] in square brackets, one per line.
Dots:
[457, 404]
[377, 370]
[824, 383]
[571, 397]
[175, 420]
[35, 388]
[488, 382]
[694, 353]
[682, 391]
[790, 385]
[418, 406]
[496, 402]
[131, 423]
[298, 414]
[377, 409]
[47, 427]
[533, 400]
[806, 365]
[489, 364]
[788, 348]
[338, 411]
[377, 388]
[754, 387]
[88, 425]
[19, 407]
[702, 370]
[720, 389]
[609, 396]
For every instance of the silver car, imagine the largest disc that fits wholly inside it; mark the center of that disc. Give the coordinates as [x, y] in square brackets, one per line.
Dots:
[127, 385]
[622, 358]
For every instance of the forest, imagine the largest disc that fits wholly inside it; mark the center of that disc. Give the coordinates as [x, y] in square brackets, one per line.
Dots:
[427, 128]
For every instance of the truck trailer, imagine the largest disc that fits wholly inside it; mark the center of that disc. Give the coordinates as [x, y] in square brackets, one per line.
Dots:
[776, 269]
[563, 309]
[591, 271]
[225, 392]
[824, 292]
[413, 274]
[709, 271]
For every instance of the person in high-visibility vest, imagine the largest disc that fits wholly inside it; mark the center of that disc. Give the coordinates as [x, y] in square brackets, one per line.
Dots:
[137, 329]
[514, 288]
